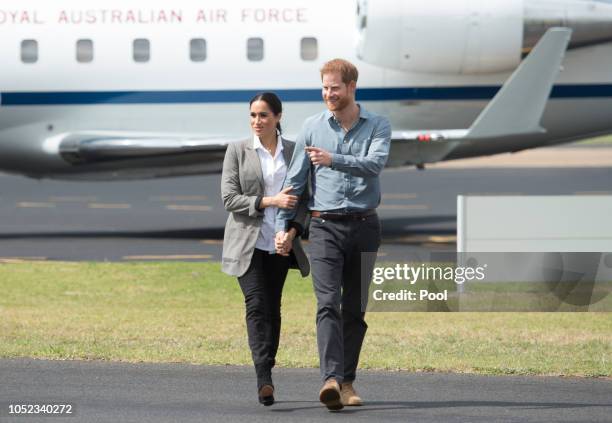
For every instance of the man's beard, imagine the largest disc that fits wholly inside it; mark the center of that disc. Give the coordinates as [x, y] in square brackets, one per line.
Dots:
[338, 105]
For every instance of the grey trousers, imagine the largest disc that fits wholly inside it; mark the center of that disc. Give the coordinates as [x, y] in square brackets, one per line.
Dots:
[336, 265]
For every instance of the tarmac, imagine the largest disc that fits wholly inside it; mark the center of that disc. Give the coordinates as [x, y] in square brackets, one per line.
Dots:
[124, 392]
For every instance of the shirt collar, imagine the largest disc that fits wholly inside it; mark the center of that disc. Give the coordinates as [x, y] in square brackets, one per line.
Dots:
[258, 145]
[363, 114]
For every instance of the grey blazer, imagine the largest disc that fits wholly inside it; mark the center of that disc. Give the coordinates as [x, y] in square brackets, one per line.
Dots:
[242, 187]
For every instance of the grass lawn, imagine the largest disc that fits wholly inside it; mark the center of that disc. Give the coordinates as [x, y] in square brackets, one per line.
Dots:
[604, 140]
[191, 312]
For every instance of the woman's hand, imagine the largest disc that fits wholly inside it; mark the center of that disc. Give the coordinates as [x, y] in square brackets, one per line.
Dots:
[283, 242]
[282, 200]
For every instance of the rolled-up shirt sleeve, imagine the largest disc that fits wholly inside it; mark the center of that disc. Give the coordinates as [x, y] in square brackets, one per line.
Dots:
[376, 158]
[297, 177]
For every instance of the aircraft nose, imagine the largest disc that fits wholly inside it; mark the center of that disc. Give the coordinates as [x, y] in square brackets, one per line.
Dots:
[591, 21]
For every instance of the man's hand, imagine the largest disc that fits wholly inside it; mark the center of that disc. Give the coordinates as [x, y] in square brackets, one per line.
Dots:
[319, 157]
[283, 242]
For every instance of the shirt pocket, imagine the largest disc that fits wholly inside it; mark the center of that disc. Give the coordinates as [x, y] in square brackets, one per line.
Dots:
[360, 146]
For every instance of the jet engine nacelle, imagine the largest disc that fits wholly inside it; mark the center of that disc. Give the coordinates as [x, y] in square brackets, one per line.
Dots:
[441, 36]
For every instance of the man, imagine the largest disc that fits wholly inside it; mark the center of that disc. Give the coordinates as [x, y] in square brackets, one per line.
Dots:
[342, 152]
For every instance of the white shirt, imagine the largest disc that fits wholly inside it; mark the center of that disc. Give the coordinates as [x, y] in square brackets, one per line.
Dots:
[274, 170]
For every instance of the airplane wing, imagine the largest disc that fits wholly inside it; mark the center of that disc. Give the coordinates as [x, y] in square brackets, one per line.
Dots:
[515, 111]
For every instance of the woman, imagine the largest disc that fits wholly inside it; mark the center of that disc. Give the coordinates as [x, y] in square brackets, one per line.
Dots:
[253, 175]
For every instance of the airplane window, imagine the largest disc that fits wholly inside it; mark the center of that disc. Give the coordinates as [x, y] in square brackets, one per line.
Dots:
[142, 50]
[84, 51]
[255, 49]
[29, 51]
[309, 48]
[197, 49]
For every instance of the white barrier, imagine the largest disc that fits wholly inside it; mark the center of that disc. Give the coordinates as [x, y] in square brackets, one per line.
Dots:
[534, 223]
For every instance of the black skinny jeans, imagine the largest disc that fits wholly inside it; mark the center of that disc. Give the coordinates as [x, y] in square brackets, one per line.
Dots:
[262, 286]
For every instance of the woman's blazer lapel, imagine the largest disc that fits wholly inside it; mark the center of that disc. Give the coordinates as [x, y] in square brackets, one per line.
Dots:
[254, 163]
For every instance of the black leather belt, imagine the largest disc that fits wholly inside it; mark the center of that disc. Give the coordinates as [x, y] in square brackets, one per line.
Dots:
[343, 216]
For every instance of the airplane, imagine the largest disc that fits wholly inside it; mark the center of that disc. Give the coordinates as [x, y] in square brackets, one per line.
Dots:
[131, 89]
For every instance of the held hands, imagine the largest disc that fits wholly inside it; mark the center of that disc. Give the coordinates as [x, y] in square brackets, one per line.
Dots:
[319, 157]
[284, 200]
[283, 242]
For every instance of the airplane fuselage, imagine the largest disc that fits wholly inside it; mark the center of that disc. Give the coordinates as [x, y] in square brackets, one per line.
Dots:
[186, 68]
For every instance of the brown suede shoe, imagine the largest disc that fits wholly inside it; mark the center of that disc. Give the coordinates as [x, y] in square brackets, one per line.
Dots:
[330, 395]
[266, 395]
[349, 396]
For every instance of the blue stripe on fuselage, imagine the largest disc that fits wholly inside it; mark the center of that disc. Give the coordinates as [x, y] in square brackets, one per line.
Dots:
[293, 95]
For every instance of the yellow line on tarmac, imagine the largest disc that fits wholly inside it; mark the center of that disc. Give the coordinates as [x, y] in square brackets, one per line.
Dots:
[7, 260]
[404, 207]
[424, 239]
[108, 206]
[72, 199]
[212, 241]
[399, 196]
[171, 257]
[179, 198]
[593, 193]
[27, 204]
[177, 207]
[494, 194]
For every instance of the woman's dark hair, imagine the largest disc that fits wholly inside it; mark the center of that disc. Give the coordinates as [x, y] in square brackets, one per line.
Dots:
[273, 103]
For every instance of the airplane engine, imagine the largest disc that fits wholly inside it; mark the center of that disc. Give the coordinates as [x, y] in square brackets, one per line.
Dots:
[441, 36]
[457, 37]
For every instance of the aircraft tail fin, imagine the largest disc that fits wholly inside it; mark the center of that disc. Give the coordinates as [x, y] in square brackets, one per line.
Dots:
[519, 105]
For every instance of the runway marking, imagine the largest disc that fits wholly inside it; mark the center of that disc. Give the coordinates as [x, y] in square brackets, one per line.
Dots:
[399, 196]
[404, 207]
[109, 206]
[179, 198]
[72, 199]
[177, 207]
[538, 158]
[170, 257]
[424, 239]
[10, 260]
[27, 204]
[439, 239]
[496, 194]
[212, 241]
[593, 193]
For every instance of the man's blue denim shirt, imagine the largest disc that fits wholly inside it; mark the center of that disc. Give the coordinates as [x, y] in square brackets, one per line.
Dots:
[352, 183]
